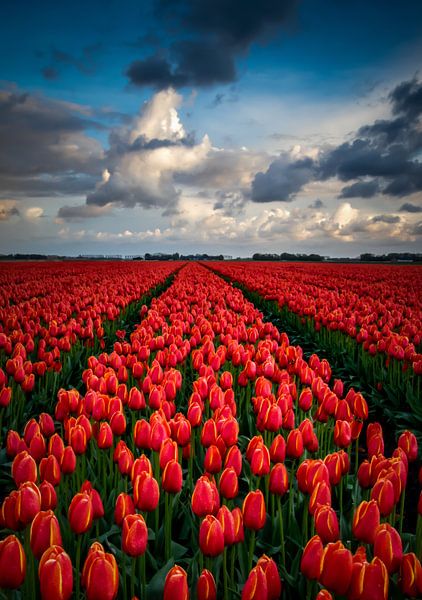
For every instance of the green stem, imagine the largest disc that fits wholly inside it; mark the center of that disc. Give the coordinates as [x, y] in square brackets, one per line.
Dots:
[251, 549]
[142, 577]
[78, 565]
[280, 518]
[225, 573]
[403, 494]
[132, 577]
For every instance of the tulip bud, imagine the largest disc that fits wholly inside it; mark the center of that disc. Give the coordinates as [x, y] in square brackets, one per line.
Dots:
[294, 446]
[105, 436]
[134, 535]
[55, 574]
[48, 496]
[342, 434]
[383, 494]
[272, 576]
[45, 532]
[369, 581]
[176, 584]
[227, 523]
[12, 563]
[365, 521]
[50, 470]
[279, 479]
[212, 460]
[321, 494]
[255, 587]
[311, 562]
[211, 536]
[205, 587]
[326, 524]
[124, 506]
[254, 514]
[260, 461]
[410, 577]
[68, 462]
[336, 573]
[229, 484]
[239, 532]
[28, 502]
[388, 547]
[100, 574]
[172, 479]
[278, 449]
[80, 513]
[24, 468]
[146, 493]
[324, 595]
[205, 498]
[409, 443]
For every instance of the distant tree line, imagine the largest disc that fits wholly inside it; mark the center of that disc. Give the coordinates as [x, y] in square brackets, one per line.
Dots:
[177, 256]
[391, 257]
[286, 256]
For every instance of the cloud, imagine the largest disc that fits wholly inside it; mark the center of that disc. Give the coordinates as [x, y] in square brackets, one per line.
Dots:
[360, 189]
[43, 142]
[80, 212]
[384, 157]
[86, 63]
[411, 208]
[282, 180]
[316, 205]
[211, 34]
[34, 212]
[8, 209]
[144, 159]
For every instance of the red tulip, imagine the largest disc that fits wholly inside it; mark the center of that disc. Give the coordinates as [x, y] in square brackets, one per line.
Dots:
[48, 496]
[212, 460]
[205, 587]
[336, 573]
[205, 499]
[383, 494]
[146, 493]
[311, 562]
[134, 535]
[12, 563]
[100, 574]
[279, 480]
[24, 468]
[172, 478]
[55, 574]
[369, 581]
[80, 513]
[365, 521]
[211, 536]
[409, 443]
[272, 576]
[229, 483]
[227, 523]
[28, 502]
[176, 584]
[255, 587]
[124, 506]
[294, 446]
[326, 524]
[410, 578]
[388, 547]
[254, 514]
[45, 532]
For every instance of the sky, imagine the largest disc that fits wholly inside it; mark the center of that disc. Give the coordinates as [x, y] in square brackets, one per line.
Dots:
[219, 126]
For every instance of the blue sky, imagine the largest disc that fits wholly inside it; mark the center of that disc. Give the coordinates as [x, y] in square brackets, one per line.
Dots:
[216, 126]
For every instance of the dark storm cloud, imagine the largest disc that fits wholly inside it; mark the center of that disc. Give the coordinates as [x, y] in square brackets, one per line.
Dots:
[86, 63]
[208, 36]
[47, 185]
[43, 145]
[282, 180]
[411, 208]
[360, 189]
[385, 153]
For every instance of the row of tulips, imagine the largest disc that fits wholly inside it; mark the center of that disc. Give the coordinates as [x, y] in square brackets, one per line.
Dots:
[208, 440]
[371, 316]
[46, 329]
[379, 306]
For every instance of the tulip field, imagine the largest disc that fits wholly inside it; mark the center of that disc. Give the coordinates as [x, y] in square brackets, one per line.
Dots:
[162, 437]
